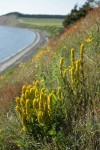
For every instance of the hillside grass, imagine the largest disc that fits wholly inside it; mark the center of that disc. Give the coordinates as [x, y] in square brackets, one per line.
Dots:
[75, 122]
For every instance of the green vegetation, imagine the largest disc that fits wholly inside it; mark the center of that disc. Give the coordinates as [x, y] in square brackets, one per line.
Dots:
[77, 13]
[57, 90]
[52, 26]
[43, 21]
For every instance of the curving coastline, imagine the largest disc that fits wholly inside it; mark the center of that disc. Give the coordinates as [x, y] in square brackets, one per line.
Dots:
[40, 39]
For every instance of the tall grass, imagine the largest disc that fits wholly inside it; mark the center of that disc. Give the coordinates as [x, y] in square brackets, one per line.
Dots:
[74, 123]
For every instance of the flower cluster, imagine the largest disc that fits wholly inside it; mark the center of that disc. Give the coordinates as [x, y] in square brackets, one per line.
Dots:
[74, 70]
[35, 103]
[88, 40]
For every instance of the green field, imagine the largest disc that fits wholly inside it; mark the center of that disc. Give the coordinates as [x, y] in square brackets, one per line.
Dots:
[53, 27]
[42, 21]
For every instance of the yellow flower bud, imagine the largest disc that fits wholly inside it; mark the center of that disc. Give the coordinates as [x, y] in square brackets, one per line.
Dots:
[40, 104]
[81, 52]
[22, 102]
[77, 68]
[72, 56]
[32, 93]
[23, 119]
[29, 87]
[65, 74]
[40, 117]
[50, 101]
[23, 96]
[37, 84]
[61, 61]
[89, 39]
[72, 77]
[27, 106]
[45, 112]
[35, 104]
[59, 93]
[18, 109]
[18, 101]
[42, 95]
[36, 93]
[43, 89]
[27, 94]
[45, 107]
[23, 89]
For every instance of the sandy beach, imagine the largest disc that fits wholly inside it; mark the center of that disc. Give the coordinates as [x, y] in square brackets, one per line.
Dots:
[24, 54]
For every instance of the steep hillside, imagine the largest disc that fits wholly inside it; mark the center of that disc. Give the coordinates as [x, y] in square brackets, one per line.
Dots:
[57, 90]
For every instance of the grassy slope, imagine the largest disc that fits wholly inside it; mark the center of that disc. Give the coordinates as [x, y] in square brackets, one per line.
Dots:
[45, 65]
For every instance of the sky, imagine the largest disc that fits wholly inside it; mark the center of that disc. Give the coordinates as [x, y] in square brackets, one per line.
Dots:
[61, 7]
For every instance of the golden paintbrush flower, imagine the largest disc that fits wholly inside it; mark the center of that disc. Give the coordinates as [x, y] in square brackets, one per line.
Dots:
[18, 101]
[23, 89]
[27, 106]
[81, 52]
[59, 93]
[40, 116]
[72, 56]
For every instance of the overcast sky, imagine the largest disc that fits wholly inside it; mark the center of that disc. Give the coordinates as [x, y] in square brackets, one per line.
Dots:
[62, 7]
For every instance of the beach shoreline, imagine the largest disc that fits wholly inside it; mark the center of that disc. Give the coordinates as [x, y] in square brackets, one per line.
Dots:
[24, 54]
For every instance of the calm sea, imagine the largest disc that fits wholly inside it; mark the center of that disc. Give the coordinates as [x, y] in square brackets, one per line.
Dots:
[13, 40]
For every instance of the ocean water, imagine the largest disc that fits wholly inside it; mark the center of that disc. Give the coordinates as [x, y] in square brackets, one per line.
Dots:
[13, 40]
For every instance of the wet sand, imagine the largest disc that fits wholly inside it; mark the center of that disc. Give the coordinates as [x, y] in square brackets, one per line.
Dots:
[24, 54]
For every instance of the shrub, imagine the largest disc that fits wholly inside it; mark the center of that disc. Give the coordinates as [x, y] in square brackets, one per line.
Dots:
[62, 116]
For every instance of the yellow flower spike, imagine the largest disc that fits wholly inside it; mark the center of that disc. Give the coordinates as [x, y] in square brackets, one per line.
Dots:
[61, 62]
[40, 116]
[81, 52]
[50, 101]
[29, 87]
[23, 119]
[43, 89]
[27, 93]
[72, 56]
[18, 109]
[36, 93]
[32, 90]
[27, 106]
[18, 101]
[23, 89]
[37, 84]
[45, 97]
[45, 112]
[22, 102]
[88, 40]
[72, 76]
[35, 104]
[77, 67]
[42, 81]
[40, 104]
[23, 96]
[41, 95]
[59, 93]
[45, 108]
[32, 93]
[65, 73]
